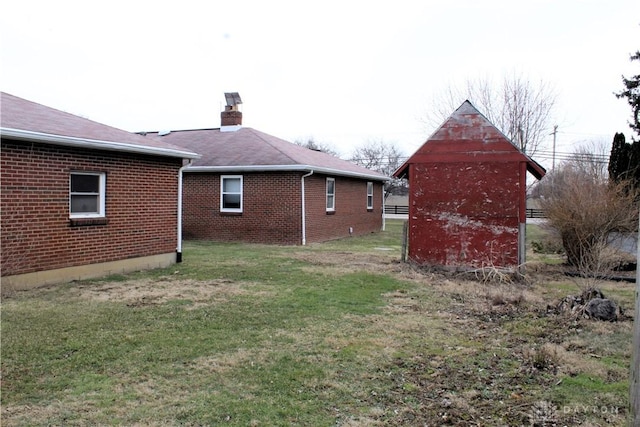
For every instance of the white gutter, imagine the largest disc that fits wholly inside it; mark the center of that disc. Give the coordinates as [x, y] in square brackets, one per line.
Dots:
[289, 168]
[71, 141]
[384, 221]
[179, 246]
[304, 213]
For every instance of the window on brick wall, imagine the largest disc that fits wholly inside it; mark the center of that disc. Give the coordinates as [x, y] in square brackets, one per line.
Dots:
[231, 193]
[87, 195]
[369, 195]
[331, 194]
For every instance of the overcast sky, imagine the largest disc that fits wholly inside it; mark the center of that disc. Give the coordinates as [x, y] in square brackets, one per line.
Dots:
[340, 72]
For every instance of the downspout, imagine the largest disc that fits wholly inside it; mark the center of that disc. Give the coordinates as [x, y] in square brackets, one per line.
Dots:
[384, 220]
[179, 246]
[304, 213]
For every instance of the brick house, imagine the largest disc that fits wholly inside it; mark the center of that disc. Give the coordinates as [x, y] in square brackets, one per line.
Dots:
[467, 195]
[80, 199]
[253, 187]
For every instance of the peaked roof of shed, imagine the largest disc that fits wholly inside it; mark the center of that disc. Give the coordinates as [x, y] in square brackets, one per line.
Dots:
[26, 120]
[474, 136]
[249, 150]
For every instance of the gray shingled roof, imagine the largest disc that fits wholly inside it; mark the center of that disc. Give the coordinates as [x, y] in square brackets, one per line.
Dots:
[248, 149]
[27, 120]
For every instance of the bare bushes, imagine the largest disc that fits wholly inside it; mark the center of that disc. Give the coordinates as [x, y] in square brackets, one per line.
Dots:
[543, 358]
[587, 210]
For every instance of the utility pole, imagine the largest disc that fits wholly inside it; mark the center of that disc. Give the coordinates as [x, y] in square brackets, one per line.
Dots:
[554, 133]
[634, 388]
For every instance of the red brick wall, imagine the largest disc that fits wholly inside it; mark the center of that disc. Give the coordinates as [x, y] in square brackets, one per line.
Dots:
[350, 208]
[272, 209]
[141, 207]
[465, 213]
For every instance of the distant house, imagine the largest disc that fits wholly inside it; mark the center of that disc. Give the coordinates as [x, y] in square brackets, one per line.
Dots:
[467, 195]
[252, 187]
[80, 199]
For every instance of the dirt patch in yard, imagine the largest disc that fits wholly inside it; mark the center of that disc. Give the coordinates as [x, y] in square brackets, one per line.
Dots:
[343, 262]
[144, 292]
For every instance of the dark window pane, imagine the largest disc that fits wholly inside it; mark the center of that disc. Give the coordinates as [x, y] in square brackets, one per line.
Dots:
[330, 187]
[330, 202]
[85, 183]
[231, 201]
[84, 204]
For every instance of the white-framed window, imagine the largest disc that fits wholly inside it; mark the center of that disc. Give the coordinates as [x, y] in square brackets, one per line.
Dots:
[369, 195]
[87, 192]
[231, 193]
[331, 194]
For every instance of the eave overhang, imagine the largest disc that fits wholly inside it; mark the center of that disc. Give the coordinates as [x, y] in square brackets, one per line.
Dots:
[533, 167]
[70, 141]
[284, 168]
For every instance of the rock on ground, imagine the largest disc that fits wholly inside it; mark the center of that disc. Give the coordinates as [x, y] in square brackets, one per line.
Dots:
[602, 309]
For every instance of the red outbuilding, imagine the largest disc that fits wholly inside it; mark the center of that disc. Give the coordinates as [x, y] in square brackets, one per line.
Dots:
[467, 195]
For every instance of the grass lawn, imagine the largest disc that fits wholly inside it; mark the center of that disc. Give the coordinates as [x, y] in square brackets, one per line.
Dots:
[339, 333]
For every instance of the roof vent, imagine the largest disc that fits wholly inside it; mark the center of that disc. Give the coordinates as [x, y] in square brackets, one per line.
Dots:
[231, 116]
[233, 99]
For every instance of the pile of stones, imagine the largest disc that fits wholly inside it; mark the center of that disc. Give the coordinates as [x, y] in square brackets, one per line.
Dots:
[591, 304]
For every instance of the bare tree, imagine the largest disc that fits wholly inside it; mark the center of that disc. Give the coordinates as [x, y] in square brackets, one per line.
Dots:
[381, 157]
[311, 144]
[587, 210]
[521, 109]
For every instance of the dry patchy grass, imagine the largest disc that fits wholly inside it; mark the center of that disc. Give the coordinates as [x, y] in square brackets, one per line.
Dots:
[441, 350]
[153, 291]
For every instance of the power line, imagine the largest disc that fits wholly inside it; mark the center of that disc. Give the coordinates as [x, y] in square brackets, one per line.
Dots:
[577, 157]
[574, 155]
[554, 156]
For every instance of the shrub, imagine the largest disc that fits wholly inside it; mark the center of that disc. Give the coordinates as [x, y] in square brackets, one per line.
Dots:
[585, 209]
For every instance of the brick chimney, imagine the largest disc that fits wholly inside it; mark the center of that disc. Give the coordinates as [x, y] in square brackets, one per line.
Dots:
[231, 116]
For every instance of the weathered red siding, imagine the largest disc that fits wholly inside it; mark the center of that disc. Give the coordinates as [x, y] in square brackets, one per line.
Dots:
[272, 209]
[141, 207]
[465, 214]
